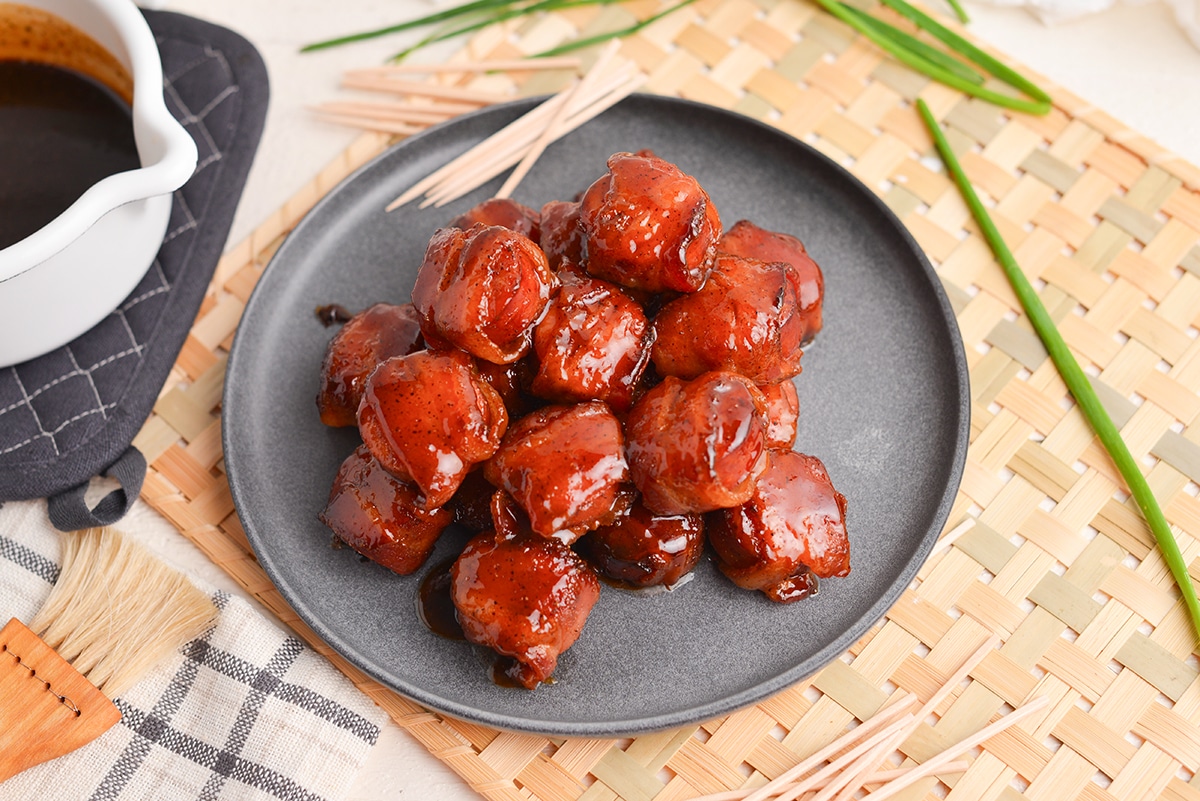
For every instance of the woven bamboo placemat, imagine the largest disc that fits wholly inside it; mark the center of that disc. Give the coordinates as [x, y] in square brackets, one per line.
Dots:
[1058, 563]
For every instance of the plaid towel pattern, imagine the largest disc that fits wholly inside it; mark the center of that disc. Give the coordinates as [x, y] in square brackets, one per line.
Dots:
[243, 712]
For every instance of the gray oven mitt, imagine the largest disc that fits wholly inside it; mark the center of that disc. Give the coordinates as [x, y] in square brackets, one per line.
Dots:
[71, 414]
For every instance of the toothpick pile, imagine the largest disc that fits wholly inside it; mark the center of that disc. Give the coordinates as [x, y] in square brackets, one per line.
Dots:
[851, 764]
[422, 104]
[522, 141]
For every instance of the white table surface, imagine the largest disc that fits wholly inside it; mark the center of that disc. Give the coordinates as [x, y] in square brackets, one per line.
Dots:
[1131, 60]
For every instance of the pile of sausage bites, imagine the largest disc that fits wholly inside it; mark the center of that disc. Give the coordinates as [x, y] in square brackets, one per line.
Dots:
[598, 389]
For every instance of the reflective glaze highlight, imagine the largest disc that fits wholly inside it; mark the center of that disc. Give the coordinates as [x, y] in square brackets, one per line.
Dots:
[428, 417]
[695, 446]
[565, 467]
[750, 241]
[380, 517]
[593, 344]
[483, 290]
[643, 549]
[376, 333]
[794, 523]
[649, 225]
[523, 596]
[783, 412]
[505, 212]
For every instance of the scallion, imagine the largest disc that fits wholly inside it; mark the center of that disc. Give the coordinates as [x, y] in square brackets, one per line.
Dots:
[1072, 374]
[892, 40]
[430, 19]
[482, 13]
[617, 34]
[959, 11]
[914, 45]
[500, 14]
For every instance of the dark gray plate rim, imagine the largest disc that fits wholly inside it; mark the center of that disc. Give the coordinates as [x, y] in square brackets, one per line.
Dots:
[243, 398]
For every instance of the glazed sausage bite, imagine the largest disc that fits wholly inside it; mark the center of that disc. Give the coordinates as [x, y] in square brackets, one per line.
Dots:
[428, 417]
[593, 343]
[642, 549]
[483, 290]
[695, 446]
[377, 333]
[525, 597]
[744, 319]
[748, 240]
[562, 233]
[565, 467]
[648, 225]
[504, 212]
[379, 516]
[790, 532]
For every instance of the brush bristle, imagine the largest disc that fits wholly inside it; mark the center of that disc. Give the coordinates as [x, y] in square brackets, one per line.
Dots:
[116, 610]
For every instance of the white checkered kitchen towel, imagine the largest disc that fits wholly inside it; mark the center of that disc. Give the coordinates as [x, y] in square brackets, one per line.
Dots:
[243, 712]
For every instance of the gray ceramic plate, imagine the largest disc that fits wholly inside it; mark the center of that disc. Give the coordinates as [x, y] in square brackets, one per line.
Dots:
[883, 400]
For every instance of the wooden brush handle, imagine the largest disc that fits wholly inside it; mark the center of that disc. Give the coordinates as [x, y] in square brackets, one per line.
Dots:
[47, 707]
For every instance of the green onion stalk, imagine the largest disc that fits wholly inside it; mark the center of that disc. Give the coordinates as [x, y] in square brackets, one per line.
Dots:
[1073, 375]
[430, 19]
[949, 67]
[920, 58]
[500, 15]
[958, 10]
[617, 34]
[471, 16]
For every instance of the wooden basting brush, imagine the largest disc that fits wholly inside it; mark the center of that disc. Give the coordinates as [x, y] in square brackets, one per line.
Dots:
[115, 611]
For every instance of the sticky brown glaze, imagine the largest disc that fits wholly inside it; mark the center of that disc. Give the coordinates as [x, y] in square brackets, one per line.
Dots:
[472, 502]
[649, 225]
[695, 446]
[333, 314]
[748, 240]
[795, 523]
[377, 333]
[593, 344]
[435, 608]
[483, 290]
[643, 549]
[379, 516]
[507, 518]
[565, 467]
[745, 319]
[504, 212]
[796, 587]
[523, 596]
[783, 412]
[428, 417]
[562, 233]
[512, 382]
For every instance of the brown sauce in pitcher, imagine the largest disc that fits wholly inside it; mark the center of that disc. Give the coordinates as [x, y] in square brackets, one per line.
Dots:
[65, 120]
